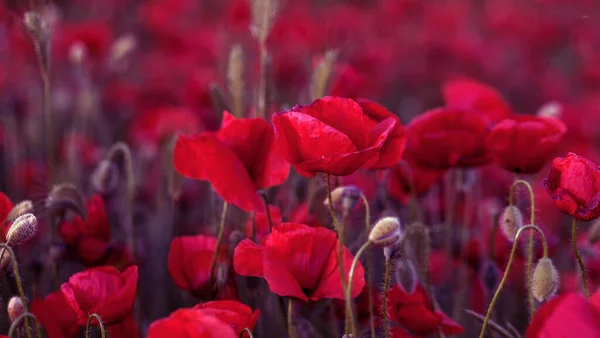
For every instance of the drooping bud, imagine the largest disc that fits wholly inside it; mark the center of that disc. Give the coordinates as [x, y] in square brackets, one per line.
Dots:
[406, 275]
[490, 275]
[105, 178]
[19, 209]
[21, 230]
[511, 220]
[594, 232]
[545, 280]
[344, 197]
[66, 196]
[15, 308]
[386, 232]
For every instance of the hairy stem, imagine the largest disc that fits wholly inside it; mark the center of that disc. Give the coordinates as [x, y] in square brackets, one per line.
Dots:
[100, 324]
[351, 327]
[24, 317]
[386, 286]
[248, 331]
[219, 240]
[340, 229]
[578, 257]
[291, 331]
[13, 259]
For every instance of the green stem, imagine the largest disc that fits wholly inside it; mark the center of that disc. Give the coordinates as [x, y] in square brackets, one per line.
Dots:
[100, 324]
[13, 258]
[368, 264]
[24, 316]
[386, 286]
[507, 270]
[350, 317]
[246, 330]
[340, 229]
[291, 332]
[578, 257]
[219, 240]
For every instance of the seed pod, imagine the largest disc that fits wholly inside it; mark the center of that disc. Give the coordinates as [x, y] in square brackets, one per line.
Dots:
[511, 221]
[15, 308]
[545, 280]
[344, 197]
[386, 232]
[105, 178]
[22, 230]
[406, 275]
[21, 208]
[66, 196]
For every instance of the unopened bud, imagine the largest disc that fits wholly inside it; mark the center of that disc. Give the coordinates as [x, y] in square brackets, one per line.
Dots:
[344, 197]
[545, 280]
[511, 221]
[386, 232]
[21, 208]
[21, 230]
[406, 275]
[77, 52]
[490, 275]
[106, 177]
[550, 109]
[15, 308]
[594, 232]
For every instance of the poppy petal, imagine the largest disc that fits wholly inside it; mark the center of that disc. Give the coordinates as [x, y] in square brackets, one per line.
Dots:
[248, 259]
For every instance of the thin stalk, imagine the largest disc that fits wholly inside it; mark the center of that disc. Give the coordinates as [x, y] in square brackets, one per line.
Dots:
[351, 326]
[340, 229]
[386, 286]
[100, 324]
[507, 270]
[13, 258]
[291, 331]
[24, 316]
[219, 240]
[368, 264]
[264, 197]
[248, 331]
[578, 257]
[262, 81]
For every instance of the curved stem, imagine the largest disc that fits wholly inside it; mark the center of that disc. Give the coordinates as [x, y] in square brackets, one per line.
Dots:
[123, 148]
[100, 324]
[24, 316]
[219, 240]
[13, 258]
[578, 257]
[246, 330]
[507, 270]
[291, 332]
[264, 197]
[368, 264]
[351, 327]
[386, 286]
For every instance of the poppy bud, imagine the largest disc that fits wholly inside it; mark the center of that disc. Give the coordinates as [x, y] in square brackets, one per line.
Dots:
[77, 52]
[511, 221]
[594, 232]
[345, 197]
[386, 232]
[406, 275]
[545, 280]
[21, 208]
[22, 229]
[106, 177]
[550, 109]
[15, 308]
[66, 196]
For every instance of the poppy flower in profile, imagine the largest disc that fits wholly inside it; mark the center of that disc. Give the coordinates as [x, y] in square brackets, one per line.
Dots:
[261, 222]
[298, 261]
[474, 95]
[103, 290]
[558, 317]
[393, 148]
[448, 137]
[190, 323]
[523, 143]
[574, 185]
[189, 262]
[236, 314]
[415, 312]
[330, 136]
[238, 160]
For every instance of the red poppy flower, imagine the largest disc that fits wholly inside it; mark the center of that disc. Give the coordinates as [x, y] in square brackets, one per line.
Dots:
[55, 314]
[298, 261]
[238, 160]
[559, 316]
[189, 262]
[330, 136]
[90, 237]
[79, 149]
[236, 314]
[6, 206]
[448, 137]
[261, 222]
[125, 329]
[190, 323]
[471, 94]
[574, 185]
[415, 313]
[102, 290]
[393, 148]
[523, 143]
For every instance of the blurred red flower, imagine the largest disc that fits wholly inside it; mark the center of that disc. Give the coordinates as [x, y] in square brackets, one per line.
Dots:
[574, 185]
[55, 314]
[190, 323]
[237, 160]
[403, 175]
[415, 312]
[448, 137]
[568, 315]
[329, 136]
[261, 222]
[102, 290]
[6, 206]
[474, 95]
[236, 314]
[298, 261]
[523, 143]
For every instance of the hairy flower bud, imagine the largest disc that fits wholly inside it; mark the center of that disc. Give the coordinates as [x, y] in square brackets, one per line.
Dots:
[511, 221]
[386, 232]
[22, 230]
[406, 275]
[344, 197]
[105, 178]
[545, 280]
[15, 308]
[19, 209]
